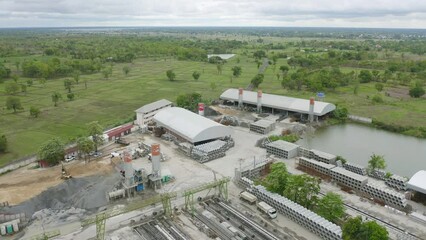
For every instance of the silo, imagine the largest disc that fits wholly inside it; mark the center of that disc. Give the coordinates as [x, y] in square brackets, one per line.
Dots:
[156, 156]
[240, 97]
[259, 101]
[311, 109]
[201, 109]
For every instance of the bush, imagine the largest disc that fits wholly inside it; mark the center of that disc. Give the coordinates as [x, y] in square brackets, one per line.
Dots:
[377, 99]
[289, 138]
[416, 92]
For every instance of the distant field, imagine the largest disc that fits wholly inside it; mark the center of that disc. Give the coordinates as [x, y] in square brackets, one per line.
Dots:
[112, 100]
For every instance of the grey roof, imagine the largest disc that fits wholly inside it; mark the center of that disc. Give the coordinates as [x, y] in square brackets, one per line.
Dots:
[418, 182]
[192, 127]
[223, 56]
[154, 105]
[279, 102]
[262, 123]
[349, 174]
[281, 144]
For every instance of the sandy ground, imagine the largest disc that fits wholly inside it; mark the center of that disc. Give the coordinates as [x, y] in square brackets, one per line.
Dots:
[26, 182]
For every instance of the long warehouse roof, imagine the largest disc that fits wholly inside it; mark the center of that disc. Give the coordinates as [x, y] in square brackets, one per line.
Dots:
[418, 182]
[193, 127]
[279, 102]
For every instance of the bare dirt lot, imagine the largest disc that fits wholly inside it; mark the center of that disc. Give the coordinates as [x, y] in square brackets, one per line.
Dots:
[25, 183]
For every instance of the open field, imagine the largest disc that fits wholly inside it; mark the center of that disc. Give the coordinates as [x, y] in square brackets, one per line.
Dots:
[112, 101]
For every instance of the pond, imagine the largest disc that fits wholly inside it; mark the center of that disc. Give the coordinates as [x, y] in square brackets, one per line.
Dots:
[404, 155]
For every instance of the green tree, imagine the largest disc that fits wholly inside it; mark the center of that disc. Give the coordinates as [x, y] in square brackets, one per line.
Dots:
[76, 76]
[11, 88]
[257, 80]
[85, 146]
[34, 112]
[417, 92]
[330, 207]
[107, 72]
[365, 76]
[355, 229]
[276, 180]
[68, 84]
[259, 54]
[55, 98]
[52, 151]
[126, 70]
[171, 75]
[376, 162]
[196, 75]
[284, 70]
[3, 143]
[24, 88]
[70, 96]
[219, 68]
[341, 113]
[379, 86]
[15, 78]
[302, 189]
[95, 130]
[375, 75]
[189, 101]
[30, 82]
[236, 71]
[13, 103]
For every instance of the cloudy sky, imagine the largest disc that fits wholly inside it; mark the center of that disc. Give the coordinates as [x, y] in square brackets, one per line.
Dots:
[300, 13]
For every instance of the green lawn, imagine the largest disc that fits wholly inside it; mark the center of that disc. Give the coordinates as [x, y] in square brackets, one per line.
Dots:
[113, 100]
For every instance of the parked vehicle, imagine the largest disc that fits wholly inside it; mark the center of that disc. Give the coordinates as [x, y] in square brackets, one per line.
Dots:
[248, 197]
[69, 158]
[265, 208]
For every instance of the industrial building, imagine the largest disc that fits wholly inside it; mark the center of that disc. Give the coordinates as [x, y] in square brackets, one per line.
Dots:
[277, 104]
[190, 127]
[282, 149]
[145, 113]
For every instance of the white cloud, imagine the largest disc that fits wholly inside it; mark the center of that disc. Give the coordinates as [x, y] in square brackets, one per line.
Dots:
[320, 13]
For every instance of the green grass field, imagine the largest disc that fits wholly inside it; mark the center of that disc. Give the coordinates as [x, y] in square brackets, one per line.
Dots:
[113, 100]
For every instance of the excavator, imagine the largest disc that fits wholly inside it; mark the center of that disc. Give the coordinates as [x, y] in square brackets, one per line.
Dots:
[65, 175]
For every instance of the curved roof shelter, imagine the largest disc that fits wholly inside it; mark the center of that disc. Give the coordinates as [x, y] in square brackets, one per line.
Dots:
[279, 102]
[418, 182]
[190, 126]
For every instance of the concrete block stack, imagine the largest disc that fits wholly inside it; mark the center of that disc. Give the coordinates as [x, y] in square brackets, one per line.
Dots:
[323, 156]
[262, 126]
[388, 196]
[283, 149]
[209, 151]
[397, 182]
[347, 178]
[353, 167]
[308, 219]
[378, 174]
[304, 152]
[320, 167]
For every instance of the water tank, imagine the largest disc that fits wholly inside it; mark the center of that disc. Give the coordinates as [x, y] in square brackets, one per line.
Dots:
[156, 157]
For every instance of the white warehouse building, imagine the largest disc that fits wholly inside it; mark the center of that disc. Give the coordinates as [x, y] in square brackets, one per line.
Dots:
[145, 113]
[189, 126]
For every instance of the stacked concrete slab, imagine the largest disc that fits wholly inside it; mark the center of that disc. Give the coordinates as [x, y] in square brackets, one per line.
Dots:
[304, 152]
[308, 219]
[347, 178]
[283, 149]
[318, 166]
[397, 182]
[323, 156]
[353, 167]
[209, 151]
[262, 126]
[390, 197]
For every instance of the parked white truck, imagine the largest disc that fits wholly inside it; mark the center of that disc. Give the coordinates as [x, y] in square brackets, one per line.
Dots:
[248, 197]
[265, 208]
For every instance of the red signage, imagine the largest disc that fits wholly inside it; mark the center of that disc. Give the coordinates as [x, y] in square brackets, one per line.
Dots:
[155, 149]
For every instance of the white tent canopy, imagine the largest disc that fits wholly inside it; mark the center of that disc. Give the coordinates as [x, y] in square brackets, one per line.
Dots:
[279, 102]
[190, 126]
[418, 182]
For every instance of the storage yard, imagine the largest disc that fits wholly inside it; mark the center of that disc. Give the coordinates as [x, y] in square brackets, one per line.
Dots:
[179, 175]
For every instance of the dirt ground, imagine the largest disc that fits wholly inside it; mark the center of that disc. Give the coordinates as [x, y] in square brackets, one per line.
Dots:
[25, 183]
[401, 93]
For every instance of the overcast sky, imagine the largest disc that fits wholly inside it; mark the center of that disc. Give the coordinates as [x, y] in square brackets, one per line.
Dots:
[282, 13]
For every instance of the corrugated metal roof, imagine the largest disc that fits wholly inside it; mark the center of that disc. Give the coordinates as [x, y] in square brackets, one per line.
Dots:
[191, 126]
[154, 105]
[418, 182]
[279, 102]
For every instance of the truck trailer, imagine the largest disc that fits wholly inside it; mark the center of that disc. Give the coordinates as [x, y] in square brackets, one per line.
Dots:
[265, 208]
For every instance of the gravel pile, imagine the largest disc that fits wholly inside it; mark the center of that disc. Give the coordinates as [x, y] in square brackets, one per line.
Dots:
[88, 193]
